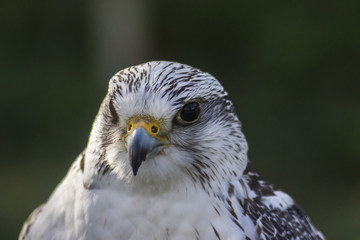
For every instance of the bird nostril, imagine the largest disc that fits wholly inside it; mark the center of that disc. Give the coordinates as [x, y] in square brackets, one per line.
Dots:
[129, 127]
[154, 129]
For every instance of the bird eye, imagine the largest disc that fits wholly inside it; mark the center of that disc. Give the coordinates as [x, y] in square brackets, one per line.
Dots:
[189, 113]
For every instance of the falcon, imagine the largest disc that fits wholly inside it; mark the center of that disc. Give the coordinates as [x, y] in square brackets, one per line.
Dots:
[166, 159]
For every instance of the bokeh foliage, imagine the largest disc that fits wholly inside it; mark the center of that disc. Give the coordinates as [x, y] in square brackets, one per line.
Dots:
[291, 68]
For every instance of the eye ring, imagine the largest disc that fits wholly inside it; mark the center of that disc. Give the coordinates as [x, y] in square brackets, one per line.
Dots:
[189, 113]
[129, 128]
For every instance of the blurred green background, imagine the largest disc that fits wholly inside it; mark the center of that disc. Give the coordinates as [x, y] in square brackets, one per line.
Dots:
[292, 69]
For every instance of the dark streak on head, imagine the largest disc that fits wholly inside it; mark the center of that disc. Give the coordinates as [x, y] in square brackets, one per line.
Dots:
[231, 190]
[82, 162]
[238, 224]
[29, 222]
[216, 233]
[114, 115]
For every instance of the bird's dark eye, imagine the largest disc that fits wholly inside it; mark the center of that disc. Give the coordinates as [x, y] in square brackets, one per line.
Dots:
[189, 113]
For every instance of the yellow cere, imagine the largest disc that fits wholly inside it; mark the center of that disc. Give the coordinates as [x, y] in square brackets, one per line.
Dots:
[151, 126]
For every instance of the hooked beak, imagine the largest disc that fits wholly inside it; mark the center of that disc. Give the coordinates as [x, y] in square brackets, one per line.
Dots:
[141, 146]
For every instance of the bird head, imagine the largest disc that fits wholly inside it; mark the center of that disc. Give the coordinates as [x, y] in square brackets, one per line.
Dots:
[163, 121]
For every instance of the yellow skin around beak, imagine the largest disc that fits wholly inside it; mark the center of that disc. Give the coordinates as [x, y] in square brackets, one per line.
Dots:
[151, 126]
[143, 140]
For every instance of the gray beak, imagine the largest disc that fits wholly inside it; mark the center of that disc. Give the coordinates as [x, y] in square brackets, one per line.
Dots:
[141, 146]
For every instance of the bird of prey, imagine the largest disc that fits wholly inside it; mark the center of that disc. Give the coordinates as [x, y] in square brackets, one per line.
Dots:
[166, 159]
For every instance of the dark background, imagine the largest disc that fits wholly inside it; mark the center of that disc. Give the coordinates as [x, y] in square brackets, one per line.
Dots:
[291, 68]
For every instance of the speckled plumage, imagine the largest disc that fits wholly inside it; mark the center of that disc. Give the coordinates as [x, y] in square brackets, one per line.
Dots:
[199, 186]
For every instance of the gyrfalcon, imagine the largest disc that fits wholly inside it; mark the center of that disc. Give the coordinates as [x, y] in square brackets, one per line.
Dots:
[166, 159]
